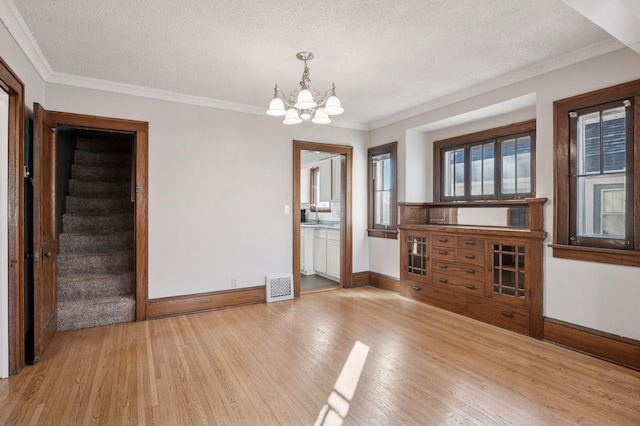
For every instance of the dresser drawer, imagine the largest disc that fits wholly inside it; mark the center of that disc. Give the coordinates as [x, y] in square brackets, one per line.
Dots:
[458, 283]
[443, 240]
[443, 253]
[468, 271]
[473, 257]
[415, 291]
[471, 243]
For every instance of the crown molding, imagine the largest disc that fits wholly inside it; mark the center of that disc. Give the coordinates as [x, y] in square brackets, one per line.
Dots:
[11, 18]
[148, 92]
[166, 95]
[505, 80]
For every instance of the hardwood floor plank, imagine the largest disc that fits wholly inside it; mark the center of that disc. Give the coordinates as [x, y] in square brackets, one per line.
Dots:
[277, 363]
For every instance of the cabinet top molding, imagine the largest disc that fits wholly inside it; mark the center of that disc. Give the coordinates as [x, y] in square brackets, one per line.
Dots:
[491, 203]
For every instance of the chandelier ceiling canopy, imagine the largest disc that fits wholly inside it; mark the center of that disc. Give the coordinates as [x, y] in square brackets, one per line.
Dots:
[305, 103]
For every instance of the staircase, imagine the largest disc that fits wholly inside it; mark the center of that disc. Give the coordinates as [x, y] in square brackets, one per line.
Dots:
[96, 278]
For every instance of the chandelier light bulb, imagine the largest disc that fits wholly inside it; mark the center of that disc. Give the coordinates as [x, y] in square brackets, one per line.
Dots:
[321, 117]
[292, 117]
[305, 114]
[332, 106]
[305, 100]
[276, 107]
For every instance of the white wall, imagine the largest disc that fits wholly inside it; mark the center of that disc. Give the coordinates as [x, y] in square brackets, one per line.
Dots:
[218, 184]
[600, 296]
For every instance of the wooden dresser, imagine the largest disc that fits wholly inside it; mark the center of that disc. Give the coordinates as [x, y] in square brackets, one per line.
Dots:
[493, 274]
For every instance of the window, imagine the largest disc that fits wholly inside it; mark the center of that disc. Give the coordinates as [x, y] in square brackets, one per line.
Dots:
[596, 138]
[314, 192]
[495, 164]
[383, 191]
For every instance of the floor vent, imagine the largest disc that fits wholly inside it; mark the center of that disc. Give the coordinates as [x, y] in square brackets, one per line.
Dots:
[279, 287]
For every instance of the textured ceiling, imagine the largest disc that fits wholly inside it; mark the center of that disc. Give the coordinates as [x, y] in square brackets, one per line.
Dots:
[385, 56]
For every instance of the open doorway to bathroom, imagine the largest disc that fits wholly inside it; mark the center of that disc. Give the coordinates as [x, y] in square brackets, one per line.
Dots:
[322, 217]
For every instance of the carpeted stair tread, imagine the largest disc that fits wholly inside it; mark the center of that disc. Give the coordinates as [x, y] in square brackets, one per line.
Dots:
[94, 286]
[97, 224]
[100, 173]
[95, 312]
[101, 145]
[97, 189]
[99, 206]
[95, 243]
[96, 249]
[95, 263]
[87, 158]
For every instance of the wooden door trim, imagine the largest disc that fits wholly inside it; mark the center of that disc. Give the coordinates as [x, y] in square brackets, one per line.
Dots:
[346, 242]
[140, 129]
[44, 231]
[14, 87]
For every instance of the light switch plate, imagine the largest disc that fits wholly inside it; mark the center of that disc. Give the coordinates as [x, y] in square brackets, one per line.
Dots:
[287, 210]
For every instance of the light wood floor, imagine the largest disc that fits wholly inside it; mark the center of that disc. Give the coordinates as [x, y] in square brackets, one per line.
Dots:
[276, 364]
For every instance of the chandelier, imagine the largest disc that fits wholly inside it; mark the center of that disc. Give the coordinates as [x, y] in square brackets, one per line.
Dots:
[306, 103]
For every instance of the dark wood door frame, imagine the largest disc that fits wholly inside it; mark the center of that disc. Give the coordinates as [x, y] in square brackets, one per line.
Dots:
[11, 84]
[140, 129]
[346, 243]
[45, 238]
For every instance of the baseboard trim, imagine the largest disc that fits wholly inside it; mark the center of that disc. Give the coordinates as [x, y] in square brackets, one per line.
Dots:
[384, 282]
[191, 303]
[359, 279]
[603, 345]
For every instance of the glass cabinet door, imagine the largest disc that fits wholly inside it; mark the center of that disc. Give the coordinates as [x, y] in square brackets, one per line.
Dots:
[509, 270]
[417, 257]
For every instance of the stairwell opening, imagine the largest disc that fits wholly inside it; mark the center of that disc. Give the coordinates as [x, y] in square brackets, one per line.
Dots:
[95, 215]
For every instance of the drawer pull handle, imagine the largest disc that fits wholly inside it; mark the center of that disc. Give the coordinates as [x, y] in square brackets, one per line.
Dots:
[470, 286]
[470, 242]
[443, 280]
[470, 271]
[443, 266]
[442, 252]
[469, 256]
[443, 240]
[416, 288]
[507, 314]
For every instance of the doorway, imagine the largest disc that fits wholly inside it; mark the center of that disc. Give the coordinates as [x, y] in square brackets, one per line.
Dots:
[319, 207]
[49, 131]
[12, 358]
[95, 206]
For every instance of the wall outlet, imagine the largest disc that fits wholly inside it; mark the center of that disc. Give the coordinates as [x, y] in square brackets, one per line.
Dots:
[234, 283]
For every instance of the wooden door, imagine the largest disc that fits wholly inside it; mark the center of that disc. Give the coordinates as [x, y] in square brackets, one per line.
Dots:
[45, 237]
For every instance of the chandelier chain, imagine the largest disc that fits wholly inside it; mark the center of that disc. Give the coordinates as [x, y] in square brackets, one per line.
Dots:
[305, 83]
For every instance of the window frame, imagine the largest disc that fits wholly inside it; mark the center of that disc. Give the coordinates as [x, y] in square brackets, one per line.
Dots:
[391, 231]
[565, 150]
[589, 241]
[496, 135]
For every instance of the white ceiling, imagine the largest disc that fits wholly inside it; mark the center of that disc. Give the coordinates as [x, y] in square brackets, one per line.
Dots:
[388, 58]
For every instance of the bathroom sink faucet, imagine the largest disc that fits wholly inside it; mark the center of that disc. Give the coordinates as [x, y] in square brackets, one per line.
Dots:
[312, 206]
